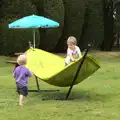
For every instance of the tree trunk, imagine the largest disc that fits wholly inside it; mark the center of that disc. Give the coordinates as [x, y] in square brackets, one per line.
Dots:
[118, 39]
[82, 42]
[42, 31]
[108, 26]
[60, 45]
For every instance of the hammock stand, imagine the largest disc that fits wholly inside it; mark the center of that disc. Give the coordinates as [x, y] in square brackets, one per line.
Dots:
[70, 88]
[36, 80]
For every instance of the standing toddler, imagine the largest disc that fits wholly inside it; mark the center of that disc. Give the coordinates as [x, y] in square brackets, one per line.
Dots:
[21, 74]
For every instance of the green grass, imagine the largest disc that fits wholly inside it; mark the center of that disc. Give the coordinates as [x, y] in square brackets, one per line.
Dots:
[96, 98]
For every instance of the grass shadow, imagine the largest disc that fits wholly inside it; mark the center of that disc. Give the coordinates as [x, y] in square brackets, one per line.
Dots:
[75, 95]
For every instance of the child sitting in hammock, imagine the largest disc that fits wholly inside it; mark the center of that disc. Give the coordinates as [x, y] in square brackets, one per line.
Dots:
[73, 51]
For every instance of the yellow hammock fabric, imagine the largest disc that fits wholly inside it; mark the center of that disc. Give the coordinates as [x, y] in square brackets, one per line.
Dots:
[50, 67]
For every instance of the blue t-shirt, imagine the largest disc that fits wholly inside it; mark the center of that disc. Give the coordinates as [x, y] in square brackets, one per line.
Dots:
[21, 74]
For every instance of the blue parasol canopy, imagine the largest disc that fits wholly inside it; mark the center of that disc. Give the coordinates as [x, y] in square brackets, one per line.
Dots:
[33, 21]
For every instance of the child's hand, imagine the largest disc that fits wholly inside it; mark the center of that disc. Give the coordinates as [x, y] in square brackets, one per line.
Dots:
[73, 60]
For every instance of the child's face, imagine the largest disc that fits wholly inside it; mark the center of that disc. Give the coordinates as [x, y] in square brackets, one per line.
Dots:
[71, 46]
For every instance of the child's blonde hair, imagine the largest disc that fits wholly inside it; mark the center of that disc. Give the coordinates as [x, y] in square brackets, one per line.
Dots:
[21, 60]
[72, 40]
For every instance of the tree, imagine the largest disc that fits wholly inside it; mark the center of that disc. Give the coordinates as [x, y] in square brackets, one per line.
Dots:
[117, 21]
[108, 26]
[3, 3]
[73, 22]
[54, 10]
[13, 40]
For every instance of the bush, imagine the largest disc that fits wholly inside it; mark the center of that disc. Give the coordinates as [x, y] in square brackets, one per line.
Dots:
[16, 40]
[74, 18]
[53, 9]
[95, 31]
[13, 40]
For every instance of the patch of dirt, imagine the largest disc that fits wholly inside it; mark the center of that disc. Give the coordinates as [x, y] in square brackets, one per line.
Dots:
[107, 53]
[97, 53]
[61, 54]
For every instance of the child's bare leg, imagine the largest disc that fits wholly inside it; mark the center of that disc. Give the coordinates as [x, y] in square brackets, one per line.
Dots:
[21, 100]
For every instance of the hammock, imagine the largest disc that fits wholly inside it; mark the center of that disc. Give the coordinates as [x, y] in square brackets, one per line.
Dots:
[50, 67]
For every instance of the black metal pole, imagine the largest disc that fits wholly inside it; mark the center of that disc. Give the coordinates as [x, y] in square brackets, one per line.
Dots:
[79, 67]
[37, 83]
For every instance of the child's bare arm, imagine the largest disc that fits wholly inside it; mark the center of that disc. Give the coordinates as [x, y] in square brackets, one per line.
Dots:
[71, 57]
[29, 73]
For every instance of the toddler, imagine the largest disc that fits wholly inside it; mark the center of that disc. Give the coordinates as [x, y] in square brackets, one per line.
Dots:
[21, 74]
[73, 51]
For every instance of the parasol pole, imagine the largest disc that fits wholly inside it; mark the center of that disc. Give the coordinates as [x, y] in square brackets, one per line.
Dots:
[33, 38]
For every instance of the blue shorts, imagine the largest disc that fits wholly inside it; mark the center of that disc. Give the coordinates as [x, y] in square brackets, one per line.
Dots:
[22, 90]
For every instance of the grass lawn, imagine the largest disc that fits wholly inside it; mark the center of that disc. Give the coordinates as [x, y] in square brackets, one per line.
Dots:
[96, 98]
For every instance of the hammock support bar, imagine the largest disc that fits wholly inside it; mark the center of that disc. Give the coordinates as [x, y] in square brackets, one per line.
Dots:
[78, 70]
[38, 87]
[37, 84]
[36, 80]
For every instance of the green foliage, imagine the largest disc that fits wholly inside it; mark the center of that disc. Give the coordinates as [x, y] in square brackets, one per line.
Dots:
[18, 8]
[74, 18]
[117, 16]
[54, 10]
[95, 30]
[16, 40]
[13, 40]
[75, 14]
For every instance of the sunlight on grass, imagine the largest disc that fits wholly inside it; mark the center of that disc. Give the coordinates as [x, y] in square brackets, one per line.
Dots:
[96, 98]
